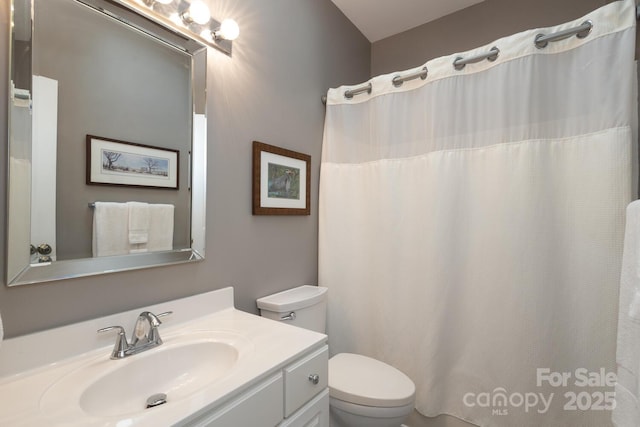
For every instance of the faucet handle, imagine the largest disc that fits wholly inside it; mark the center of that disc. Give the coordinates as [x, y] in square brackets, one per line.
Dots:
[154, 320]
[111, 328]
[121, 345]
[166, 313]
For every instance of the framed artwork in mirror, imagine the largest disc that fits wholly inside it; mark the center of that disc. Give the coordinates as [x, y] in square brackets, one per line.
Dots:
[281, 181]
[113, 162]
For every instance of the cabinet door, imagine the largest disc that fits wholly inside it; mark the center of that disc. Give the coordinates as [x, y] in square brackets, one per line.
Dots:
[304, 379]
[313, 414]
[259, 406]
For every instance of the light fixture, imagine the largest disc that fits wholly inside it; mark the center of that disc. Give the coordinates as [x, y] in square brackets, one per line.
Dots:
[228, 30]
[191, 18]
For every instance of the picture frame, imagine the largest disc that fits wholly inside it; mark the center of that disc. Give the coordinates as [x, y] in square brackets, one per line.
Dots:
[114, 162]
[281, 181]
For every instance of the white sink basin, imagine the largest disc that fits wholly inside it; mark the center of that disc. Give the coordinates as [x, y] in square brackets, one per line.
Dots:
[180, 367]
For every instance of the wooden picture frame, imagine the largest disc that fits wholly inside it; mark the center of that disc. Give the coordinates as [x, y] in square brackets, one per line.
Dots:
[114, 162]
[281, 181]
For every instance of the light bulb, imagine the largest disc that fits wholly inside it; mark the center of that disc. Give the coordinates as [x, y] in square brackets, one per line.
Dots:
[198, 12]
[175, 18]
[229, 30]
[207, 35]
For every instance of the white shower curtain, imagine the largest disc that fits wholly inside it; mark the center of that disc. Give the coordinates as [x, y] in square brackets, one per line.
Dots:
[471, 223]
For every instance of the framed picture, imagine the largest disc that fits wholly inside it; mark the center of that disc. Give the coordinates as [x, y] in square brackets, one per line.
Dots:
[113, 162]
[281, 181]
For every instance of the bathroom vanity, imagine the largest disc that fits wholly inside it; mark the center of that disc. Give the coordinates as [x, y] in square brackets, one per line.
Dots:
[217, 366]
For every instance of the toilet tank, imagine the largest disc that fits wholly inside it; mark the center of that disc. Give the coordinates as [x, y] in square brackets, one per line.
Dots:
[304, 306]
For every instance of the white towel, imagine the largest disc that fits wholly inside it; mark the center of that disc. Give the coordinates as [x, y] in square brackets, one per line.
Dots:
[626, 412]
[138, 226]
[110, 229]
[160, 227]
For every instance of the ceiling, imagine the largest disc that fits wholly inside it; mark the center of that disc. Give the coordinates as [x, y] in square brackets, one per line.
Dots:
[379, 19]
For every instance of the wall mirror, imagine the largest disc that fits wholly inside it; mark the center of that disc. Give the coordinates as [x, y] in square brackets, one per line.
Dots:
[87, 76]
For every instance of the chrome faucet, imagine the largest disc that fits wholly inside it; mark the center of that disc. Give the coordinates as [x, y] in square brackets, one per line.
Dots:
[145, 335]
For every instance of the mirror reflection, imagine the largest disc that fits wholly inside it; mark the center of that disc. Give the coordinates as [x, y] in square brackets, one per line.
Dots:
[104, 123]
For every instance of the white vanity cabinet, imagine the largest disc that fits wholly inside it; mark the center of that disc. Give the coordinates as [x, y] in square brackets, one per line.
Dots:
[294, 396]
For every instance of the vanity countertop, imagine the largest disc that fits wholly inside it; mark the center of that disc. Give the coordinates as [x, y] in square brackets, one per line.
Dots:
[31, 364]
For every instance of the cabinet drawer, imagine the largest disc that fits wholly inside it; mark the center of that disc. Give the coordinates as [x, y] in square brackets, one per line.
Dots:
[299, 379]
[260, 406]
[313, 414]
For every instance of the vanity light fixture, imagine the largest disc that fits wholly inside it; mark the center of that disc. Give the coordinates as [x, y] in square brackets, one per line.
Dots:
[191, 18]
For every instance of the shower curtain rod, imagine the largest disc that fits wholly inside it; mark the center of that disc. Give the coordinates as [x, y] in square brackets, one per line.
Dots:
[541, 41]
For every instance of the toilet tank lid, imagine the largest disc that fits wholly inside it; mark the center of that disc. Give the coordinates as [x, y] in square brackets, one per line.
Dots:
[293, 299]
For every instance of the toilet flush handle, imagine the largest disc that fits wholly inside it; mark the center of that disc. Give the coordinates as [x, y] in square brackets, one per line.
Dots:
[290, 316]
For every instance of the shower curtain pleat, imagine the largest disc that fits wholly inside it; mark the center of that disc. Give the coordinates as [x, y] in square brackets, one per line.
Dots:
[471, 224]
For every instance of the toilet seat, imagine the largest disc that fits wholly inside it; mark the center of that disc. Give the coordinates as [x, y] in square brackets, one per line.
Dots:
[361, 380]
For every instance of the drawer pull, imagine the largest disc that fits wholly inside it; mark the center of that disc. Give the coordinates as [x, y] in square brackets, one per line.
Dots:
[290, 316]
[314, 378]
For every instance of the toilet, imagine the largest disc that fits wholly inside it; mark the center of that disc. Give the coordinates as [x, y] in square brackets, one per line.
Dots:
[363, 392]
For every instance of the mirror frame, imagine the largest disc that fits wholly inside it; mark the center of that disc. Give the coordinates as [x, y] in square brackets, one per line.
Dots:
[66, 269]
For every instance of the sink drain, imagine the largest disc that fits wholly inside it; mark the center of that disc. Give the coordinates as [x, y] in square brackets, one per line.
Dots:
[156, 400]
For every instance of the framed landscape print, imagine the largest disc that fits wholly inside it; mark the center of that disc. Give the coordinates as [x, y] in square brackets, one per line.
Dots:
[281, 181]
[113, 162]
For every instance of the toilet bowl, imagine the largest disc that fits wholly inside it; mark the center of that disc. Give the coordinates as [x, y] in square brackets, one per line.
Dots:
[363, 392]
[367, 392]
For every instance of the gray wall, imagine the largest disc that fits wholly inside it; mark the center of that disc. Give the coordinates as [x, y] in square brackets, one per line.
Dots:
[288, 54]
[469, 28]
